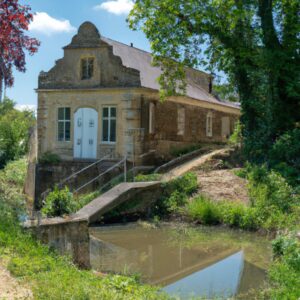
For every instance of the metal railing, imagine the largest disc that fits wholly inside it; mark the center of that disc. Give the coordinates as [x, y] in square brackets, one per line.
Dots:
[123, 161]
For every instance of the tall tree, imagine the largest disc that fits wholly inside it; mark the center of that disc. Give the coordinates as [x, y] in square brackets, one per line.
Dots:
[14, 21]
[255, 42]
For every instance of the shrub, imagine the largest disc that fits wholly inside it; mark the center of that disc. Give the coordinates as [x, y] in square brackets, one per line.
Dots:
[186, 184]
[270, 189]
[203, 210]
[284, 273]
[284, 155]
[148, 177]
[236, 137]
[49, 158]
[175, 152]
[175, 201]
[232, 213]
[59, 202]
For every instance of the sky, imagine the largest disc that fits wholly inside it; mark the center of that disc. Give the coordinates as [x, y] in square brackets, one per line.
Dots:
[55, 23]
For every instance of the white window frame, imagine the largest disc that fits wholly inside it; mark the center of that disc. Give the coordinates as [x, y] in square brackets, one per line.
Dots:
[109, 118]
[63, 121]
[209, 125]
[151, 117]
[180, 120]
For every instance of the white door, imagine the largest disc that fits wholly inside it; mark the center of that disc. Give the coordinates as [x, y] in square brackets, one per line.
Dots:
[85, 133]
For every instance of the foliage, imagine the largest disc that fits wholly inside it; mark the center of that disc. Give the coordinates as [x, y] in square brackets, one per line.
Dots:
[14, 22]
[284, 156]
[255, 43]
[203, 210]
[284, 273]
[175, 194]
[226, 92]
[183, 150]
[236, 137]
[147, 177]
[12, 202]
[59, 202]
[268, 188]
[49, 158]
[274, 204]
[14, 131]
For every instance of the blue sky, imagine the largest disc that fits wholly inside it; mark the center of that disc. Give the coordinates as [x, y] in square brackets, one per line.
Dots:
[55, 22]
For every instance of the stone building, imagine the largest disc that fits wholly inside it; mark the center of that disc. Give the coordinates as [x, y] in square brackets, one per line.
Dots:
[101, 99]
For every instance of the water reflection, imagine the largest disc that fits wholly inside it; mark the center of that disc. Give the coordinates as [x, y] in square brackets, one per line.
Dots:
[189, 262]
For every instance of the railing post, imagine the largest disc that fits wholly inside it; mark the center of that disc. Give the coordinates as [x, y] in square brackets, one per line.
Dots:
[125, 169]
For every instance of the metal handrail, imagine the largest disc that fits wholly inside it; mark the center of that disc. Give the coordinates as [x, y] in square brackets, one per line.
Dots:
[97, 177]
[60, 184]
[82, 170]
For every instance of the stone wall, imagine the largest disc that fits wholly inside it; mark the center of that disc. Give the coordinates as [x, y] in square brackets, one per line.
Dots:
[166, 132]
[71, 238]
[127, 102]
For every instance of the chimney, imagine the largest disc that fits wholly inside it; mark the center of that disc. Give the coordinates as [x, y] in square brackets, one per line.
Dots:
[131, 44]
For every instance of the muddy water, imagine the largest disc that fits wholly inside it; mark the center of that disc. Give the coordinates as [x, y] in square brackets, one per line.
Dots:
[185, 261]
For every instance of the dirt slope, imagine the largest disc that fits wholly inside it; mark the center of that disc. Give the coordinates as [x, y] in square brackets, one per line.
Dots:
[222, 185]
[10, 288]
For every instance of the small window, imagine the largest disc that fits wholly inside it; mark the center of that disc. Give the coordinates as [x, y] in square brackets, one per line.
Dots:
[151, 117]
[209, 129]
[180, 120]
[109, 119]
[64, 124]
[87, 68]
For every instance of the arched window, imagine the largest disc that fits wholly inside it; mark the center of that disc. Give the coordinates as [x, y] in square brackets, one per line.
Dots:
[209, 124]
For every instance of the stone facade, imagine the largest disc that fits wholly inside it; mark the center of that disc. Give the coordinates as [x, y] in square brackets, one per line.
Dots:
[127, 84]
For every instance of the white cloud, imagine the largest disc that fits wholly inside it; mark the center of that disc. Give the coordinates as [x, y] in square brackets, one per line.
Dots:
[117, 7]
[23, 107]
[45, 24]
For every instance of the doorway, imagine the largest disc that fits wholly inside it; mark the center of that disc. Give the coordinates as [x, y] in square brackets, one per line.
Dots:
[85, 133]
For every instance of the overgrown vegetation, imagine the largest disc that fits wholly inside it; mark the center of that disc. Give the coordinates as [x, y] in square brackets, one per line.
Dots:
[274, 205]
[14, 131]
[175, 194]
[176, 152]
[284, 273]
[49, 275]
[49, 158]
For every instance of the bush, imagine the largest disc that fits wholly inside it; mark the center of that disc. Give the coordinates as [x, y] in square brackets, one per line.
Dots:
[268, 188]
[203, 210]
[236, 138]
[175, 201]
[233, 213]
[147, 177]
[49, 158]
[284, 273]
[14, 131]
[59, 202]
[186, 184]
[284, 156]
[175, 152]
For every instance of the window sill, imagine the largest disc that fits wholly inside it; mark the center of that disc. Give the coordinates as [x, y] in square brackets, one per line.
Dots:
[108, 143]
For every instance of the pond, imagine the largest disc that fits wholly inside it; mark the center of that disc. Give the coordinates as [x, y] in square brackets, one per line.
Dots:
[185, 261]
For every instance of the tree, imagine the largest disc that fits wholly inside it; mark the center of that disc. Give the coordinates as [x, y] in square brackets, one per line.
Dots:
[14, 21]
[254, 42]
[14, 131]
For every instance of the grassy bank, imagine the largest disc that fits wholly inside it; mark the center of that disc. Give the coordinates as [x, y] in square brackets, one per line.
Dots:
[48, 275]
